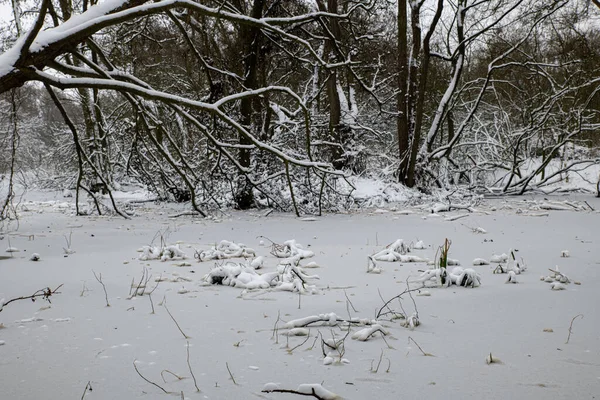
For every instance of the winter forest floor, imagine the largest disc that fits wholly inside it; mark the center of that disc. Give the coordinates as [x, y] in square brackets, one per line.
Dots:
[53, 350]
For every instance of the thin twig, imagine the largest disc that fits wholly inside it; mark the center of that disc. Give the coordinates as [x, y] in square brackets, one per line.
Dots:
[571, 326]
[417, 344]
[144, 378]
[85, 390]
[412, 298]
[351, 305]
[399, 296]
[276, 330]
[230, 374]
[190, 367]
[301, 344]
[379, 363]
[99, 279]
[162, 375]
[173, 318]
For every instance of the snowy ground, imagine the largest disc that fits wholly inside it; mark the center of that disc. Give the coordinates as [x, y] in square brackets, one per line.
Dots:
[52, 352]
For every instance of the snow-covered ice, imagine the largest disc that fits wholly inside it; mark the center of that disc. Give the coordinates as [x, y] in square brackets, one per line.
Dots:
[79, 339]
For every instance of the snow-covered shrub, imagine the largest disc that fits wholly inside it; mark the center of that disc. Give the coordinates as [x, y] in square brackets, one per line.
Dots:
[291, 250]
[557, 279]
[172, 252]
[289, 278]
[225, 250]
[393, 252]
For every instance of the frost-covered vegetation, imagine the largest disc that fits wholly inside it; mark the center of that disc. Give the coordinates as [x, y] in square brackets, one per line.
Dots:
[310, 106]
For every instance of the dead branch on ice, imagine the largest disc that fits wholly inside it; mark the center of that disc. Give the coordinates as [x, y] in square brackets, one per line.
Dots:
[314, 390]
[147, 380]
[43, 293]
[571, 326]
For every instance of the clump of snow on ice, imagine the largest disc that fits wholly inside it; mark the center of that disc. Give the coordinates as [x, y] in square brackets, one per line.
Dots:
[565, 254]
[512, 277]
[258, 262]
[364, 334]
[326, 319]
[269, 387]
[480, 261]
[11, 249]
[411, 322]
[420, 245]
[464, 277]
[297, 332]
[499, 258]
[310, 388]
[35, 257]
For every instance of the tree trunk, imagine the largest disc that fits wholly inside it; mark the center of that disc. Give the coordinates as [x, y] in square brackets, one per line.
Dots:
[402, 97]
[250, 38]
[333, 96]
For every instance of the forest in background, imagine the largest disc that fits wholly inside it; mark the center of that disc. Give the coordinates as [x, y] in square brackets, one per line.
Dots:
[276, 103]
